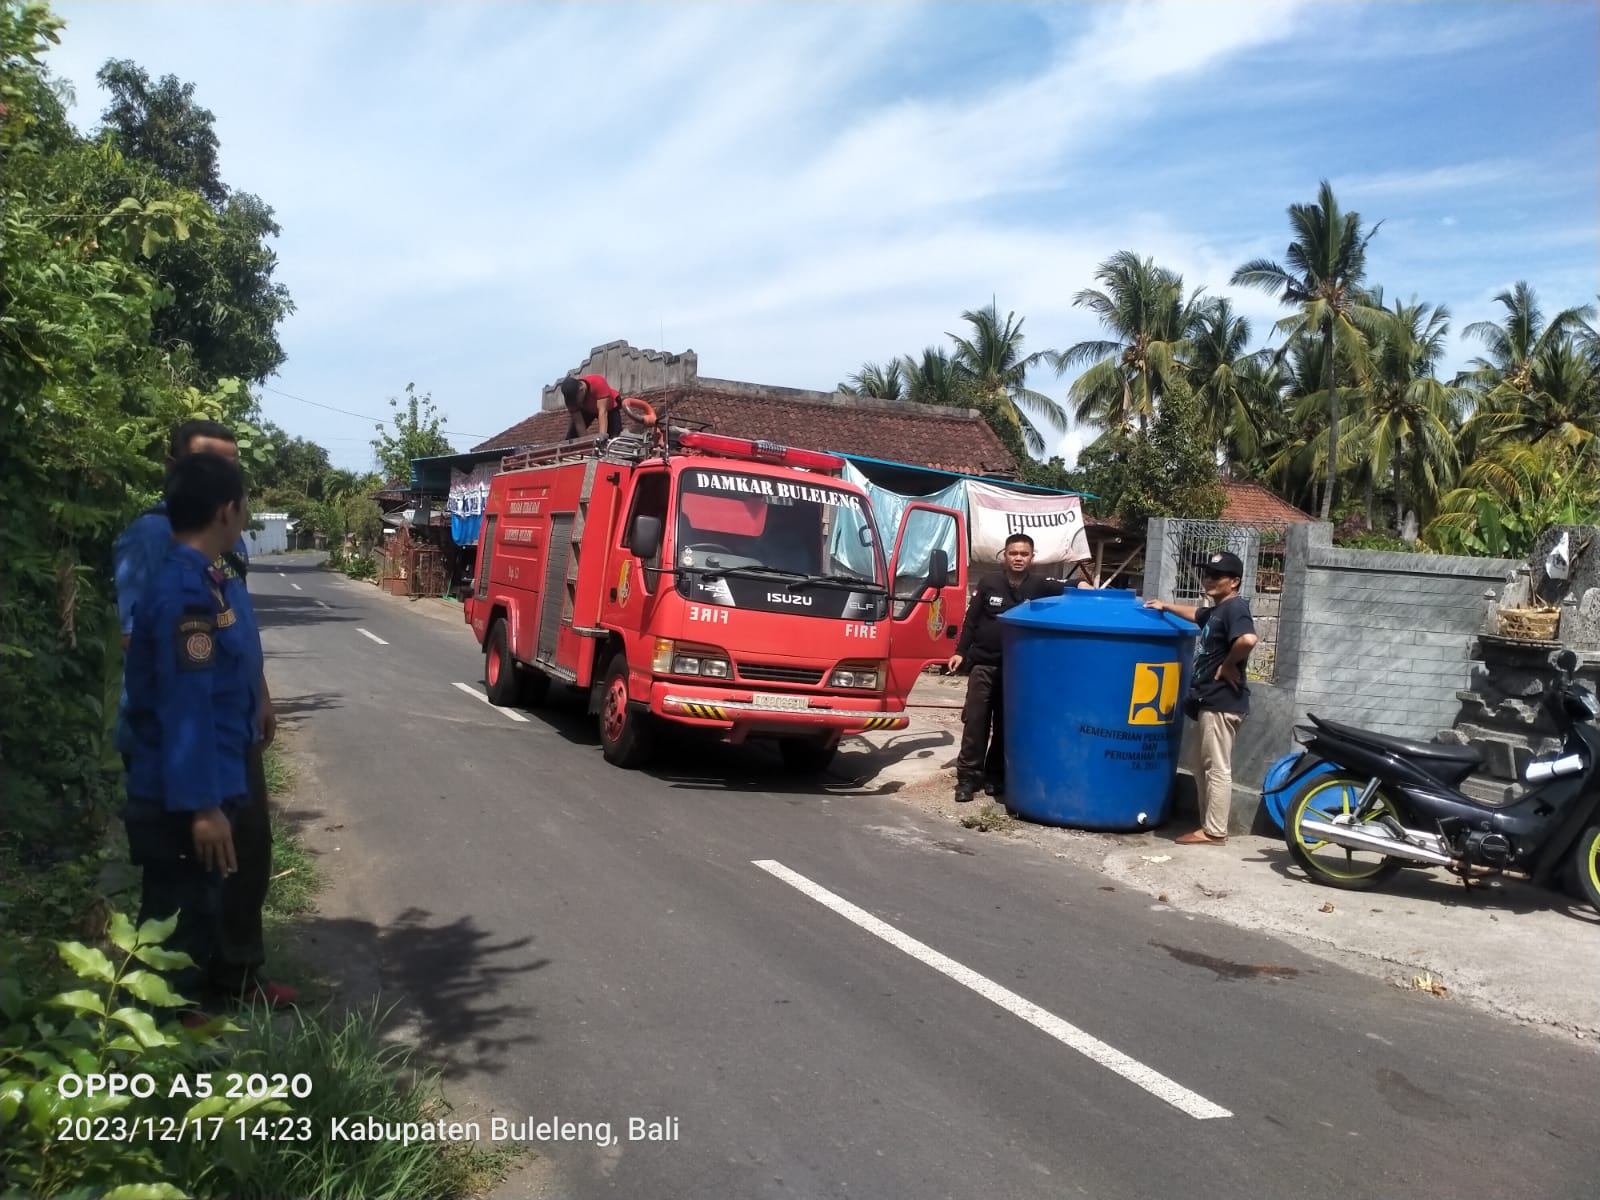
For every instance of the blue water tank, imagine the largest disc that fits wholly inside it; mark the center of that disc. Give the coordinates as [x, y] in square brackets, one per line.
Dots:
[1093, 690]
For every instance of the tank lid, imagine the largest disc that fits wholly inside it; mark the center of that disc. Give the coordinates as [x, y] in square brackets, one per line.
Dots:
[1099, 610]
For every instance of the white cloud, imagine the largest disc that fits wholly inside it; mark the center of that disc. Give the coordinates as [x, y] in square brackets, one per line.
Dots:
[1461, 177]
[472, 196]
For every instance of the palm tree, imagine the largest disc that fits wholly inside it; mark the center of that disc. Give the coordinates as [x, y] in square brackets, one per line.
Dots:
[1522, 336]
[1237, 391]
[1555, 395]
[1295, 454]
[879, 383]
[1408, 417]
[1327, 262]
[1512, 494]
[990, 361]
[1141, 305]
[934, 379]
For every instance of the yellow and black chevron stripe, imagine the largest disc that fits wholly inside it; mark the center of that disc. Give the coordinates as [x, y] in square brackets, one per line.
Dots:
[710, 712]
[884, 722]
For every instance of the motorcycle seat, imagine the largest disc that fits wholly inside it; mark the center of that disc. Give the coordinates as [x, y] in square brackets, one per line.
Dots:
[1405, 747]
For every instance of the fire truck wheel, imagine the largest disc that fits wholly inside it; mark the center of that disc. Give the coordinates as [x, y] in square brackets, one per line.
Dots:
[808, 756]
[625, 734]
[499, 669]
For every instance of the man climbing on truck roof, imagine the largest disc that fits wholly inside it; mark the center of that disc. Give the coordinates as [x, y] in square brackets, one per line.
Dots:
[589, 398]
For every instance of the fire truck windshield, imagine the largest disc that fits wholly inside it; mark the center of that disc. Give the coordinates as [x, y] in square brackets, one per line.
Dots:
[785, 544]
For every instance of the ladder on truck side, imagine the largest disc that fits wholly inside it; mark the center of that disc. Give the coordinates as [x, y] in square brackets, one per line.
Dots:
[564, 552]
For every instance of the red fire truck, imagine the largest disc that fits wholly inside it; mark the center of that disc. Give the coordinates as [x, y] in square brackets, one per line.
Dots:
[684, 577]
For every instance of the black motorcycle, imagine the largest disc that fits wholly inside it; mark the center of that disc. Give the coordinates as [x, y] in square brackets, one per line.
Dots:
[1391, 802]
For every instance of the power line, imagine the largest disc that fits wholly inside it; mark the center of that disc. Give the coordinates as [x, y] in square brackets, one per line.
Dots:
[346, 412]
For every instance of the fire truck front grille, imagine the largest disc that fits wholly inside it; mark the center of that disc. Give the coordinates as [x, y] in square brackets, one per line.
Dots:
[774, 673]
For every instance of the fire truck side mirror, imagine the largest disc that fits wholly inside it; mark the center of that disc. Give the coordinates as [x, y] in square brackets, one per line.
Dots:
[645, 540]
[938, 569]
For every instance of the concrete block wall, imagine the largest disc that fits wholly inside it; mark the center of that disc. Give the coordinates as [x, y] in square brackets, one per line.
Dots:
[630, 370]
[1382, 639]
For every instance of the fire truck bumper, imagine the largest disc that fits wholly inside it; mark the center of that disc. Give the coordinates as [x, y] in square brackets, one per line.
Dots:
[744, 713]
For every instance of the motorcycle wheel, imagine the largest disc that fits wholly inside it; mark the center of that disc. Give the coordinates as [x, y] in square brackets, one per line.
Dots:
[1325, 797]
[1586, 865]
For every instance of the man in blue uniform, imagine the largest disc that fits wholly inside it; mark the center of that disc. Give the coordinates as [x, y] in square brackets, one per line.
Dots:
[193, 696]
[139, 554]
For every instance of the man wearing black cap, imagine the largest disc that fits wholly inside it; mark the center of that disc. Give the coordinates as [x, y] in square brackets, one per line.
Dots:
[1219, 698]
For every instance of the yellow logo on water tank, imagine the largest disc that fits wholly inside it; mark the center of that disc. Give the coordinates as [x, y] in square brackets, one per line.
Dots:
[1155, 693]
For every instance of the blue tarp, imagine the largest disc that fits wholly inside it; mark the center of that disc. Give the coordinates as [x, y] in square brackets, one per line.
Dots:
[888, 510]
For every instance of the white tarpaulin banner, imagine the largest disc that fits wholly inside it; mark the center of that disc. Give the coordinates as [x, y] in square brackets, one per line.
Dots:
[1054, 522]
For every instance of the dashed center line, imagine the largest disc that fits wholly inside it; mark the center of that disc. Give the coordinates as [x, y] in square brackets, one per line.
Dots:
[297, 587]
[509, 714]
[1090, 1047]
[373, 636]
[324, 604]
[281, 575]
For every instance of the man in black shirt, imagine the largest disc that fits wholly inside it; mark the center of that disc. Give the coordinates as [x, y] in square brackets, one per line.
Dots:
[1219, 697]
[979, 650]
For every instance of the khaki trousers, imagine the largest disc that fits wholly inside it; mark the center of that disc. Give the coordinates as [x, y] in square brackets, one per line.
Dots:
[1210, 760]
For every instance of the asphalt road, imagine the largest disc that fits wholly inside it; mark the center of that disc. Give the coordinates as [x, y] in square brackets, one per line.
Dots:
[886, 1007]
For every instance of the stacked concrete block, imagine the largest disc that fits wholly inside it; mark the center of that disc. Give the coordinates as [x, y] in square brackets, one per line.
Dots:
[1500, 710]
[630, 369]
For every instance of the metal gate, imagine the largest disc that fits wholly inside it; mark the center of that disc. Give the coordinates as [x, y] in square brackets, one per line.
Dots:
[1260, 548]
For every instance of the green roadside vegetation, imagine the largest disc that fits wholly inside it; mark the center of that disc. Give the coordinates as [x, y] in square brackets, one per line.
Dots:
[138, 292]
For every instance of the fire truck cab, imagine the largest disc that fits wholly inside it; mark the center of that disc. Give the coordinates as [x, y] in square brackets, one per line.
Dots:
[685, 577]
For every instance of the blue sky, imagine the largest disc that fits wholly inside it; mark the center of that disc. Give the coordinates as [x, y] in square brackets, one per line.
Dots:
[473, 196]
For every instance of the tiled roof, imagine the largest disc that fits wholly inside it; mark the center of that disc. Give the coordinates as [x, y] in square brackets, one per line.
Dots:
[1252, 504]
[946, 439]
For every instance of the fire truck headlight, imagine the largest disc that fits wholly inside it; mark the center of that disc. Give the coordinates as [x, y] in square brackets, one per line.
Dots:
[701, 664]
[863, 676]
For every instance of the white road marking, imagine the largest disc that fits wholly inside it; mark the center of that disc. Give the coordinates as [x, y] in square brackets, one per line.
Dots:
[373, 636]
[1090, 1047]
[281, 575]
[297, 587]
[510, 714]
[324, 604]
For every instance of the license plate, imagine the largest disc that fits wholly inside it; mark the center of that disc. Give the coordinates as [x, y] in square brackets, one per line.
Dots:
[788, 703]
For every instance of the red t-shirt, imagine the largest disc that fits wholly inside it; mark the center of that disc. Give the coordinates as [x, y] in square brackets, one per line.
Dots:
[599, 390]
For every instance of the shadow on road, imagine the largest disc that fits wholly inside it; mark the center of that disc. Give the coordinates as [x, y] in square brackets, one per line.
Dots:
[437, 982]
[1428, 885]
[276, 612]
[699, 759]
[293, 710]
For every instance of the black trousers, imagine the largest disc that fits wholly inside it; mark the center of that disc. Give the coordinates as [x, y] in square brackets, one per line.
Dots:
[174, 884]
[243, 948]
[983, 728]
[219, 918]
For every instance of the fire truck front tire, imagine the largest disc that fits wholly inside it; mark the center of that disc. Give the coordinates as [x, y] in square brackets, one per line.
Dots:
[808, 756]
[626, 733]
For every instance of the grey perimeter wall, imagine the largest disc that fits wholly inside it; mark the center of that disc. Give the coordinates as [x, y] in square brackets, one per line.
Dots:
[1366, 637]
[1382, 639]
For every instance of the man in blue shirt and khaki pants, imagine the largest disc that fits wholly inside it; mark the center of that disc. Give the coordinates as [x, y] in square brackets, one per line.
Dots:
[166, 745]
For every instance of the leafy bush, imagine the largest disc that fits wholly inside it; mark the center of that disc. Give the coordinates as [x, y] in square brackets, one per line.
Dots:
[200, 1141]
[1371, 540]
[362, 567]
[57, 1136]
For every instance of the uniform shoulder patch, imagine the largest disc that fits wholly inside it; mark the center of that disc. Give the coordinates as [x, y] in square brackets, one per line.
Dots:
[196, 641]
